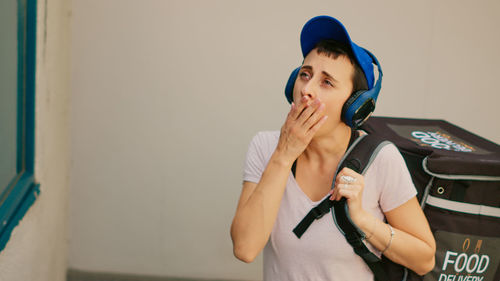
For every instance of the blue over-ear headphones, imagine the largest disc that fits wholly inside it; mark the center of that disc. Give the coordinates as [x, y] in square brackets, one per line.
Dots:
[358, 107]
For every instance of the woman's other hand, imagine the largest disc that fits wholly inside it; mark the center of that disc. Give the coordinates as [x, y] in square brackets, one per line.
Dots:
[350, 185]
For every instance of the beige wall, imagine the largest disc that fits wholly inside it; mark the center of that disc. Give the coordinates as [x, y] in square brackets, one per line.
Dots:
[38, 246]
[167, 94]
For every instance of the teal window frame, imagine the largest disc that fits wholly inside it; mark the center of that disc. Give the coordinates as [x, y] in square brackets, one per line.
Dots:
[22, 191]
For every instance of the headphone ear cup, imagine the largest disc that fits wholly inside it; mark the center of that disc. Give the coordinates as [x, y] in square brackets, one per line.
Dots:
[361, 104]
[290, 83]
[347, 108]
[358, 107]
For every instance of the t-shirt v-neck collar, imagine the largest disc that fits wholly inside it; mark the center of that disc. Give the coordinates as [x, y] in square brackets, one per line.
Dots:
[294, 168]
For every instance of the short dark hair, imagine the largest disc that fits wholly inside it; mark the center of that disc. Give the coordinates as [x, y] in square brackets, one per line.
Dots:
[334, 49]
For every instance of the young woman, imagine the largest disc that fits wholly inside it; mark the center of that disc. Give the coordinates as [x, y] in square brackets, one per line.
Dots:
[273, 200]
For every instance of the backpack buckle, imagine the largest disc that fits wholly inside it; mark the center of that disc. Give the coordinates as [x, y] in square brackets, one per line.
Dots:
[317, 213]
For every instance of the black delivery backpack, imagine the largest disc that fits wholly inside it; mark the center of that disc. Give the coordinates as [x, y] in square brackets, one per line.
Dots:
[457, 176]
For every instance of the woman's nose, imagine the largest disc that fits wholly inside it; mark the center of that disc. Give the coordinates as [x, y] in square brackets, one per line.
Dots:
[308, 90]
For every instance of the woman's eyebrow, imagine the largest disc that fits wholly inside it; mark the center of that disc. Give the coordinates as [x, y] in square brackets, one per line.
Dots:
[308, 67]
[329, 76]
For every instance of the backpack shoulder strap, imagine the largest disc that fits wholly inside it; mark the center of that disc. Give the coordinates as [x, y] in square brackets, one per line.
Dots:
[359, 159]
[362, 152]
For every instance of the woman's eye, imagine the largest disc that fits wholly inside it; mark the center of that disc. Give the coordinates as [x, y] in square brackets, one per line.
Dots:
[304, 75]
[328, 83]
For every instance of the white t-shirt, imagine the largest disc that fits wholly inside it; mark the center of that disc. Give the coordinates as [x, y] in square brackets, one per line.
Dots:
[322, 253]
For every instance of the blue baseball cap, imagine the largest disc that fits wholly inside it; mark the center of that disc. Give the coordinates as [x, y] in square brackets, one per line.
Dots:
[325, 27]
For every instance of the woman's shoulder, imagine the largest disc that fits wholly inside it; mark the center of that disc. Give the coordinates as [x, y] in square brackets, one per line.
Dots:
[386, 157]
[264, 142]
[390, 176]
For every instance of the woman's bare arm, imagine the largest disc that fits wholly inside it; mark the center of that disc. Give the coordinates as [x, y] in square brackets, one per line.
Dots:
[257, 210]
[412, 244]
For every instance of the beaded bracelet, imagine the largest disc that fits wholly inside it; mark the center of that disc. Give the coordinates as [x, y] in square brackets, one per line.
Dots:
[390, 240]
